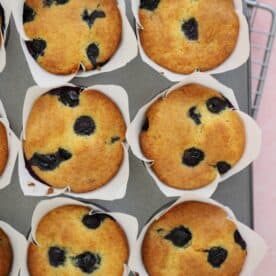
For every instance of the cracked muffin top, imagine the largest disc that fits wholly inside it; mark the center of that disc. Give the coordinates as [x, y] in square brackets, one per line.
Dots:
[192, 135]
[93, 244]
[69, 35]
[187, 35]
[73, 138]
[6, 254]
[194, 239]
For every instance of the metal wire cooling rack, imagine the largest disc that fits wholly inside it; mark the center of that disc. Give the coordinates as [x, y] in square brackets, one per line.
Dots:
[262, 39]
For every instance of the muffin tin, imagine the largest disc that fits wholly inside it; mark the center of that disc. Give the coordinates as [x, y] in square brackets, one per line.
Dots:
[141, 83]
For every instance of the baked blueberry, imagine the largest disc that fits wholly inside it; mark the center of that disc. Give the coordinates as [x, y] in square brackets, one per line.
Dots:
[195, 115]
[180, 236]
[68, 95]
[93, 221]
[216, 104]
[49, 162]
[61, 2]
[90, 18]
[56, 256]
[190, 29]
[223, 167]
[114, 139]
[3, 23]
[28, 14]
[84, 126]
[239, 240]
[217, 256]
[36, 47]
[93, 53]
[48, 3]
[145, 126]
[87, 262]
[150, 5]
[192, 157]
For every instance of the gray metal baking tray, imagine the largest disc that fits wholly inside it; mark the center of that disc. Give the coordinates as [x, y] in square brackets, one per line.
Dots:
[143, 197]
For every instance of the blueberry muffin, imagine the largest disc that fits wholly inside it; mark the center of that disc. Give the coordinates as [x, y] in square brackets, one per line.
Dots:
[187, 35]
[73, 138]
[192, 135]
[2, 23]
[194, 239]
[73, 241]
[68, 35]
[6, 254]
[4, 148]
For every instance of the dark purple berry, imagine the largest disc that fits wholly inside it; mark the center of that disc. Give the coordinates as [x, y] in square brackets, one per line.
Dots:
[56, 256]
[150, 5]
[190, 29]
[36, 47]
[84, 126]
[180, 236]
[216, 104]
[3, 23]
[195, 115]
[87, 262]
[114, 139]
[223, 167]
[239, 240]
[217, 256]
[192, 157]
[91, 18]
[28, 14]
[93, 221]
[145, 126]
[93, 53]
[68, 95]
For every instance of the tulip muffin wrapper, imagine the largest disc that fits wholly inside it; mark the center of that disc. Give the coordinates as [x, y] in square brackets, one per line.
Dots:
[7, 12]
[252, 130]
[19, 247]
[238, 57]
[126, 51]
[128, 223]
[114, 189]
[256, 246]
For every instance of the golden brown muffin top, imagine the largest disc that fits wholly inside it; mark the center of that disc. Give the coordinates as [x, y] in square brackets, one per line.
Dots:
[74, 241]
[194, 239]
[73, 138]
[187, 35]
[6, 254]
[65, 34]
[191, 135]
[4, 148]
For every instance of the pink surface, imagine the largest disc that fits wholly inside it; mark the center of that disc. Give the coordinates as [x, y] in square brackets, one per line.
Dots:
[264, 168]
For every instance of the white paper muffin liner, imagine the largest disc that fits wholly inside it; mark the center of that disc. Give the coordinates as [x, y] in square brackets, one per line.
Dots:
[238, 57]
[252, 146]
[125, 53]
[128, 223]
[13, 148]
[7, 11]
[19, 247]
[114, 189]
[256, 246]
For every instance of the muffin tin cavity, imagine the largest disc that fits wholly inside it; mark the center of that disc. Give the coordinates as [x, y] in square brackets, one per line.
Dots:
[57, 256]
[28, 14]
[87, 262]
[36, 47]
[84, 126]
[94, 221]
[90, 18]
[192, 157]
[180, 236]
[217, 256]
[49, 162]
[190, 28]
[150, 5]
[239, 240]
